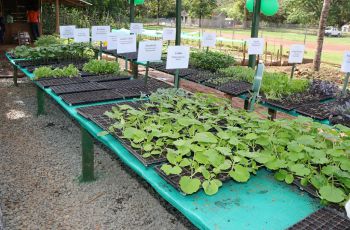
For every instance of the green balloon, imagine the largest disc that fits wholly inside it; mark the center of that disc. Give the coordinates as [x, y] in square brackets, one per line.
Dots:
[250, 5]
[269, 7]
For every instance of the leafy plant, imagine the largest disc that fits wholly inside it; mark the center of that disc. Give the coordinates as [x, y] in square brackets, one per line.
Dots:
[211, 60]
[101, 67]
[205, 136]
[69, 71]
[47, 40]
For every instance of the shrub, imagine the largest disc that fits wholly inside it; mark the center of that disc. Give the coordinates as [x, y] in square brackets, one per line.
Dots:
[47, 40]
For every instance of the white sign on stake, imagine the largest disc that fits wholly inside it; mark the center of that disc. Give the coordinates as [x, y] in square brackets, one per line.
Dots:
[346, 63]
[296, 54]
[150, 51]
[136, 28]
[209, 39]
[126, 44]
[169, 34]
[82, 35]
[100, 33]
[178, 57]
[112, 41]
[67, 32]
[255, 46]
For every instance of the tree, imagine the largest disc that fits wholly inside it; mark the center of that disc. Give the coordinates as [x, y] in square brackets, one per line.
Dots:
[321, 33]
[200, 8]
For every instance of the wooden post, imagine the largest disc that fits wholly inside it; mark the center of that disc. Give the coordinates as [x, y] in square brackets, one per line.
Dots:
[57, 8]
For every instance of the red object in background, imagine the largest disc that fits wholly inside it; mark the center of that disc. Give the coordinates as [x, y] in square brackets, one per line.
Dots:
[33, 16]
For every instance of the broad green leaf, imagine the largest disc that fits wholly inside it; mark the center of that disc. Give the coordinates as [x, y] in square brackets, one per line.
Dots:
[226, 165]
[345, 165]
[329, 170]
[306, 140]
[148, 147]
[187, 121]
[263, 141]
[201, 158]
[281, 175]
[214, 157]
[318, 180]
[289, 179]
[276, 164]
[300, 170]
[205, 137]
[263, 157]
[189, 185]
[223, 135]
[240, 174]
[234, 141]
[171, 157]
[185, 162]
[295, 147]
[251, 136]
[332, 194]
[224, 151]
[210, 187]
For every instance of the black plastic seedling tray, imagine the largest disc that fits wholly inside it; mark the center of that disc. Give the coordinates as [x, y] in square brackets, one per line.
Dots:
[75, 88]
[235, 88]
[88, 97]
[48, 82]
[129, 56]
[107, 77]
[124, 84]
[175, 179]
[318, 110]
[323, 219]
[200, 76]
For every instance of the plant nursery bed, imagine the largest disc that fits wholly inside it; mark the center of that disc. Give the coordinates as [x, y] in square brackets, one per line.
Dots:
[201, 76]
[75, 88]
[235, 88]
[88, 97]
[324, 218]
[175, 179]
[152, 84]
[48, 82]
[79, 65]
[340, 120]
[182, 72]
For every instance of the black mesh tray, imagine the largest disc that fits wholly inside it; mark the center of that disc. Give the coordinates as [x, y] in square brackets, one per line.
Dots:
[323, 219]
[318, 110]
[124, 84]
[88, 97]
[200, 76]
[129, 56]
[174, 180]
[47, 82]
[235, 88]
[75, 88]
[107, 77]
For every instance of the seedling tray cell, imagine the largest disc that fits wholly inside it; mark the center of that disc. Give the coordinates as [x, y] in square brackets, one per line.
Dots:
[324, 218]
[175, 179]
[47, 82]
[88, 97]
[235, 88]
[75, 88]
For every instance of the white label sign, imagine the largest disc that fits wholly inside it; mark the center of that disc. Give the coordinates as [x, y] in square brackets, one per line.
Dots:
[209, 40]
[296, 54]
[178, 57]
[256, 46]
[126, 44]
[346, 63]
[67, 31]
[82, 35]
[150, 51]
[100, 33]
[136, 28]
[112, 41]
[169, 34]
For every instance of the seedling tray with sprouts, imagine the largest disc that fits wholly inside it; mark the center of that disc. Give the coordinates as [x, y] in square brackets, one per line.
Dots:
[175, 179]
[48, 82]
[201, 76]
[75, 88]
[325, 218]
[319, 110]
[95, 114]
[129, 56]
[107, 77]
[88, 97]
[235, 88]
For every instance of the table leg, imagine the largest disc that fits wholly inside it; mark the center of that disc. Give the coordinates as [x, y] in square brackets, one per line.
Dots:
[87, 145]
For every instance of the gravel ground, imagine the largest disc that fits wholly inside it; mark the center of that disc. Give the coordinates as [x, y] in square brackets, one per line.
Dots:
[39, 169]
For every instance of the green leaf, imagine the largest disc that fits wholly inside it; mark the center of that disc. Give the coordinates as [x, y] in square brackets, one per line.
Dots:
[300, 170]
[148, 147]
[289, 179]
[240, 174]
[187, 121]
[233, 141]
[205, 137]
[281, 175]
[332, 194]
[223, 135]
[251, 136]
[201, 158]
[210, 187]
[103, 133]
[306, 140]
[214, 157]
[275, 164]
[224, 151]
[189, 185]
[318, 180]
[185, 162]
[226, 165]
[171, 157]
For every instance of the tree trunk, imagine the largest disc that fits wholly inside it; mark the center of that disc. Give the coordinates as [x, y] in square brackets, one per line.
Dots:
[321, 33]
[245, 18]
[158, 12]
[200, 20]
